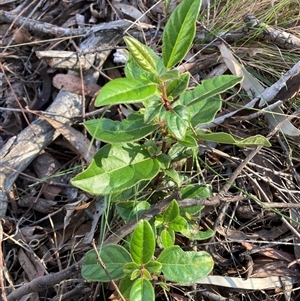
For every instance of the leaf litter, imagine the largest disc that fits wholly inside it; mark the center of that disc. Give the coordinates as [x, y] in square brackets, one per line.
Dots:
[49, 225]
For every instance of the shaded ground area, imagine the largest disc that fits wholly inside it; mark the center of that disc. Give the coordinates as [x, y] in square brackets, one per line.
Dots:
[55, 56]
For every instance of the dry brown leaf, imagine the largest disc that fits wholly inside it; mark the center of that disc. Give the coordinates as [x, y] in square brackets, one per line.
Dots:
[250, 84]
[130, 12]
[273, 268]
[22, 36]
[270, 252]
[72, 84]
[254, 89]
[40, 205]
[45, 165]
[81, 144]
[29, 265]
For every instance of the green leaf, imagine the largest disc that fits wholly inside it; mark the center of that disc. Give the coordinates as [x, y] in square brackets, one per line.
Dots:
[228, 139]
[179, 152]
[132, 209]
[194, 234]
[115, 168]
[152, 148]
[171, 212]
[130, 267]
[188, 140]
[177, 121]
[128, 194]
[164, 161]
[164, 286]
[209, 88]
[178, 224]
[159, 220]
[167, 239]
[174, 176]
[204, 101]
[205, 110]
[136, 274]
[145, 274]
[154, 111]
[185, 267]
[193, 191]
[190, 211]
[154, 267]
[125, 90]
[114, 258]
[135, 71]
[142, 290]
[131, 129]
[125, 286]
[253, 140]
[142, 244]
[170, 74]
[179, 32]
[177, 86]
[140, 54]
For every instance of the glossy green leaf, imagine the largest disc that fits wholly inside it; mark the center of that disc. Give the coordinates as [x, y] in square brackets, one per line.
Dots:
[177, 121]
[124, 90]
[114, 258]
[131, 129]
[142, 244]
[154, 267]
[185, 267]
[132, 209]
[177, 86]
[140, 54]
[209, 88]
[167, 239]
[179, 32]
[135, 71]
[178, 224]
[194, 234]
[142, 290]
[204, 101]
[171, 212]
[193, 191]
[115, 168]
[228, 139]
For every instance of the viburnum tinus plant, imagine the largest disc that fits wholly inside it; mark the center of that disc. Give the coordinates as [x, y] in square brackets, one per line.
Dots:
[140, 154]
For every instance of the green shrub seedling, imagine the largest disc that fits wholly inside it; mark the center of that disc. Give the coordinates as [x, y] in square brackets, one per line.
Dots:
[141, 150]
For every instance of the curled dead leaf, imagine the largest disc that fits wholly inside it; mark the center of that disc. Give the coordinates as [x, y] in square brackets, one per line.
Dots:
[72, 84]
